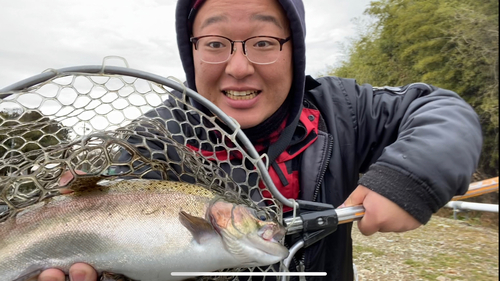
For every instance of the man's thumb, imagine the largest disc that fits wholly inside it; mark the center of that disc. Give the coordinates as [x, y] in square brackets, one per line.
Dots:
[357, 197]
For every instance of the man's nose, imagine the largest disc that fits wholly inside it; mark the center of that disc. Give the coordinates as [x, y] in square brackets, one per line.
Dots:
[238, 65]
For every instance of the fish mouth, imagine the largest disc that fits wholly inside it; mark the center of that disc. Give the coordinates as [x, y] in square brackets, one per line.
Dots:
[267, 240]
[272, 233]
[251, 239]
[241, 95]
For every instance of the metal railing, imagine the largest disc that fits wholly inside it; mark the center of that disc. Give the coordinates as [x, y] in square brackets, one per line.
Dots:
[475, 189]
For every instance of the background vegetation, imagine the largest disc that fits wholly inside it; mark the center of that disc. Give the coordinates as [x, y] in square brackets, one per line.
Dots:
[451, 44]
[23, 137]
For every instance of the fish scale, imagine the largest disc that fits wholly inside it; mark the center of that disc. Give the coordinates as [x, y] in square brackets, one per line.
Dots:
[131, 228]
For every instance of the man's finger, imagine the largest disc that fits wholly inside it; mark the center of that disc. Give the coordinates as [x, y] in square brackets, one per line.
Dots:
[368, 225]
[51, 275]
[77, 272]
[82, 271]
[357, 197]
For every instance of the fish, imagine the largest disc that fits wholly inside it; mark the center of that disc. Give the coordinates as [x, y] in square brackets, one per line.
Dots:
[141, 229]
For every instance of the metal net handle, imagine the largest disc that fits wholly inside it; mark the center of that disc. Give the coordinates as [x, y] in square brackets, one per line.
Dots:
[116, 70]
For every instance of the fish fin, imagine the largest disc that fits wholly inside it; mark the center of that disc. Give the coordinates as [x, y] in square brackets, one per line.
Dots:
[84, 183]
[30, 274]
[201, 229]
[110, 276]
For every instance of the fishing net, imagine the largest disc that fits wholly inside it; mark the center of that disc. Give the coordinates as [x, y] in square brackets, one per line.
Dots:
[91, 124]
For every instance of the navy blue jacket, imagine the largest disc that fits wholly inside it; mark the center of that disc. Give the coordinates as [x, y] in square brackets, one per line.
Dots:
[416, 145]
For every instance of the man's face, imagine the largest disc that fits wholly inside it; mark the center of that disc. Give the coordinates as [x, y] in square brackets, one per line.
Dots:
[265, 86]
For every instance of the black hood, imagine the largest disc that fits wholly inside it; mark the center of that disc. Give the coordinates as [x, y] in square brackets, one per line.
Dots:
[295, 12]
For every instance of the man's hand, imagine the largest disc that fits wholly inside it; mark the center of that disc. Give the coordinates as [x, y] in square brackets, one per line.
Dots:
[381, 214]
[77, 272]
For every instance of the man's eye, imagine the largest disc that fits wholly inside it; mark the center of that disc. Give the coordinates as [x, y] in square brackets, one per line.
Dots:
[215, 45]
[263, 44]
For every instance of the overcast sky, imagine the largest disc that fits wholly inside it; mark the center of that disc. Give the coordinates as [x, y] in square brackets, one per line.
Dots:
[36, 35]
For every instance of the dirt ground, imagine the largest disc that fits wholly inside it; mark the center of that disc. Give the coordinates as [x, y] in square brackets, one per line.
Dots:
[444, 249]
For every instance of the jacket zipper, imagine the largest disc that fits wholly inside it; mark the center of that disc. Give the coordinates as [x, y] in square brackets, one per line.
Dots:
[323, 168]
[328, 153]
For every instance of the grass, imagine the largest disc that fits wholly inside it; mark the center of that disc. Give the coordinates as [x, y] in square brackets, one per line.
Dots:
[473, 218]
[444, 264]
[366, 249]
[441, 250]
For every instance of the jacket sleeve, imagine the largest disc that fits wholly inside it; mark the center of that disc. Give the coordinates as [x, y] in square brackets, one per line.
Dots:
[417, 145]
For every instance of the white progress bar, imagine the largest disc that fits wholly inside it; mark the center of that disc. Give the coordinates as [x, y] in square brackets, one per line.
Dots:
[248, 274]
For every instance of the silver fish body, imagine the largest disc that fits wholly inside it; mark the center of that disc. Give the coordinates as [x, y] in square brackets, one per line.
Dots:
[136, 232]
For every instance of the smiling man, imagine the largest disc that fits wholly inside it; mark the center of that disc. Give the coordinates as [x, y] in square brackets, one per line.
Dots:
[416, 145]
[248, 79]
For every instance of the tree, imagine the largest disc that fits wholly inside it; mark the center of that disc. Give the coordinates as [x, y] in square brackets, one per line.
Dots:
[24, 135]
[451, 44]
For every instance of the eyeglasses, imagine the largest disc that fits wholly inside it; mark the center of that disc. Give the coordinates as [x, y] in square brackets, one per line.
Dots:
[258, 49]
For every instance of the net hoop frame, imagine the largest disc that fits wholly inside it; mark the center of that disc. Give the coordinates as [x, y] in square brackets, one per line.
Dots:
[171, 83]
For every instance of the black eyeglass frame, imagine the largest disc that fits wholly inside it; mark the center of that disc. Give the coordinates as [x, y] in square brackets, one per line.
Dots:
[282, 41]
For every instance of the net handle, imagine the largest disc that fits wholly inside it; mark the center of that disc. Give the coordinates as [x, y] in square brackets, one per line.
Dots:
[116, 70]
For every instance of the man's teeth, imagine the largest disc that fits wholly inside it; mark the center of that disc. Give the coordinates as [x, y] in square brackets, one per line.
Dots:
[241, 95]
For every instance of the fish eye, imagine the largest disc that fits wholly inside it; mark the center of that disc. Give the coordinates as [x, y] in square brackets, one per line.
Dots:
[261, 215]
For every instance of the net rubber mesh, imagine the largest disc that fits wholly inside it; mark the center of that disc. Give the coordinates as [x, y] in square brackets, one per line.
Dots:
[82, 129]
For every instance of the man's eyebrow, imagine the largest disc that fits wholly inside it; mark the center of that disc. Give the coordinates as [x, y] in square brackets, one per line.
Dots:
[212, 20]
[267, 18]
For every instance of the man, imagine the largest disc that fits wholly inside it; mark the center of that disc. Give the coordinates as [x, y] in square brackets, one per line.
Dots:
[416, 145]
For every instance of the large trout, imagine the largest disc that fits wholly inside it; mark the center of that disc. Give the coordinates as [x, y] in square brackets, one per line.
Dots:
[143, 229]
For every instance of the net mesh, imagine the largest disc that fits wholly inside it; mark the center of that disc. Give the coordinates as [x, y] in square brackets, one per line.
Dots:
[96, 127]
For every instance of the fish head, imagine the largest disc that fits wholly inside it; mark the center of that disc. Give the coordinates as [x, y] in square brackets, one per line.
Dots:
[250, 235]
